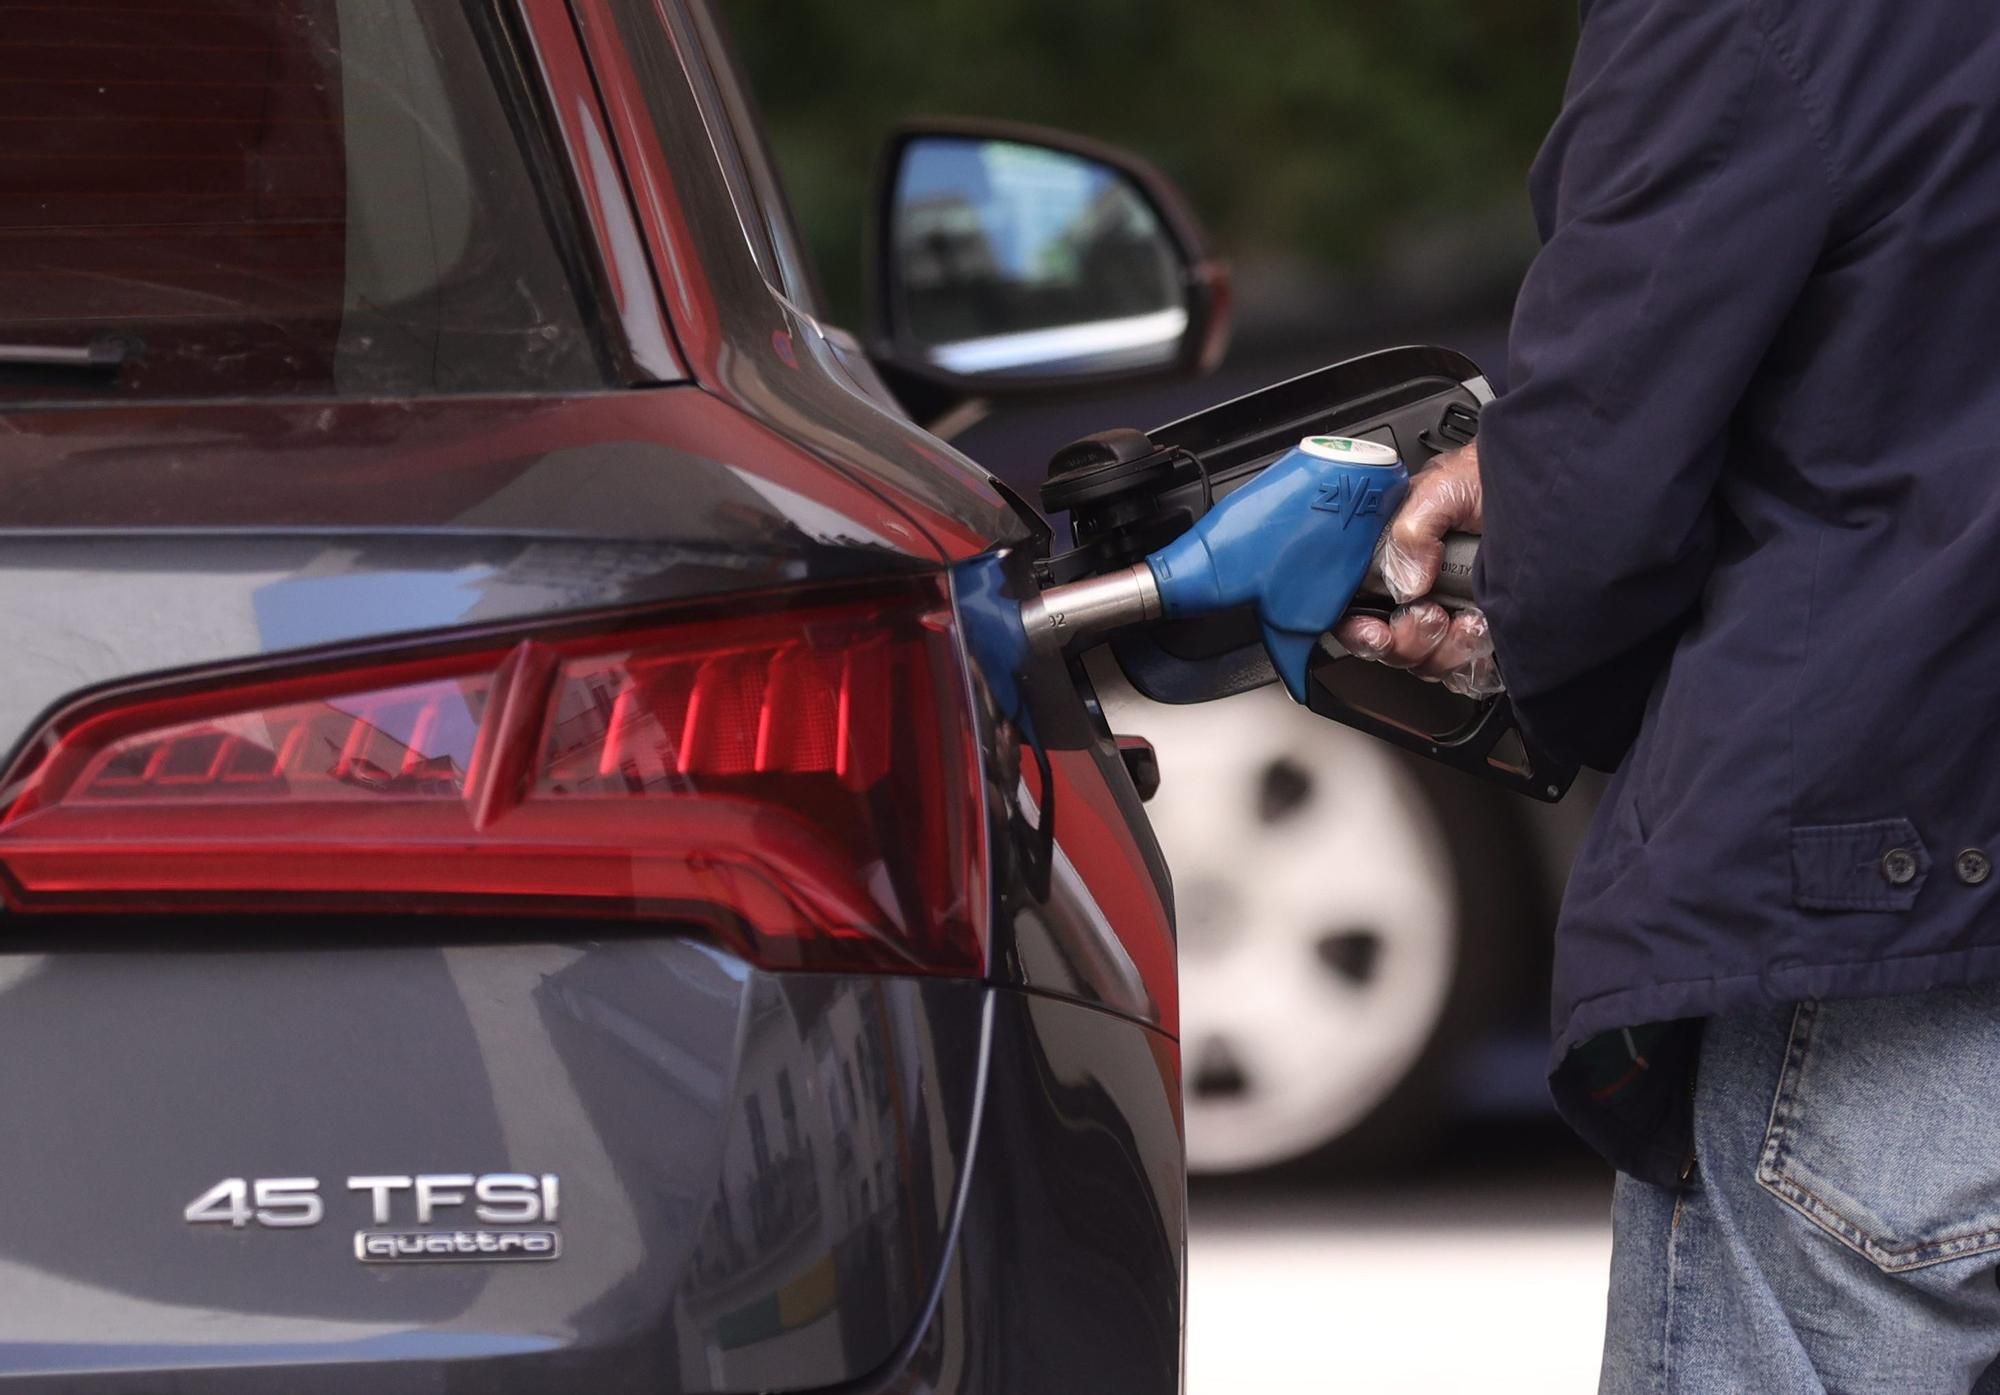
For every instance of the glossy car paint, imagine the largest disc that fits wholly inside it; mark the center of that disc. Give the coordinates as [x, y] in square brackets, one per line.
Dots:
[916, 1230]
[702, 1251]
[1067, 1271]
[979, 1188]
[161, 537]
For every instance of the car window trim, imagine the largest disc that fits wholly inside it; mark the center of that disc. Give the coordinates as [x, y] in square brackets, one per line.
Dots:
[512, 57]
[728, 90]
[602, 200]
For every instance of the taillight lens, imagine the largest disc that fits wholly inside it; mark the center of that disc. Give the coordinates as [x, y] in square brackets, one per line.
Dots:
[799, 780]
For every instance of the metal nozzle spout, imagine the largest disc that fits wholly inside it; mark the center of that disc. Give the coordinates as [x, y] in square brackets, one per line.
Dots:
[1128, 596]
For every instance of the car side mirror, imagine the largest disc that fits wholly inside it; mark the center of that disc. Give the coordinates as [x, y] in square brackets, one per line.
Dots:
[1014, 261]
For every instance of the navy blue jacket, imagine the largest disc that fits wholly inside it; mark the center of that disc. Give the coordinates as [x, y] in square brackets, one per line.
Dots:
[1743, 501]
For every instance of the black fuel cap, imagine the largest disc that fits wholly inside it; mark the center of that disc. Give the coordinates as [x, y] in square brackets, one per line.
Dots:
[1104, 466]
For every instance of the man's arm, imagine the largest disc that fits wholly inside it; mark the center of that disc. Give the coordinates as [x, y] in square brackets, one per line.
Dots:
[1684, 198]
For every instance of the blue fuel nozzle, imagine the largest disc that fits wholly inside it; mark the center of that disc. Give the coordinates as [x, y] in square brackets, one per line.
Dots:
[1295, 543]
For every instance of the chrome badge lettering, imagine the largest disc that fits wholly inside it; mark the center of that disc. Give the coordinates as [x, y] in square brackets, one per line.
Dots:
[425, 1217]
[403, 1246]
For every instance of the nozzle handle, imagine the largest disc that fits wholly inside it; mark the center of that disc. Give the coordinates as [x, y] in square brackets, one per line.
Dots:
[1489, 742]
[1454, 584]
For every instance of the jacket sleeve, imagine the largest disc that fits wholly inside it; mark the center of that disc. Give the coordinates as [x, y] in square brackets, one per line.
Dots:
[1684, 197]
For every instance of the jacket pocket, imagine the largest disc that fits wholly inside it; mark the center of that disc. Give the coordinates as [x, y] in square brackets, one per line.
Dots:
[1882, 1134]
[1876, 866]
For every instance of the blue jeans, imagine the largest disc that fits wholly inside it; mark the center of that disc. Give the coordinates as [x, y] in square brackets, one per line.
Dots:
[1840, 1231]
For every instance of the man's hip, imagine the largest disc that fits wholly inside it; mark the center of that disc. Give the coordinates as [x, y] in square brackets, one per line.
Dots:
[1840, 1231]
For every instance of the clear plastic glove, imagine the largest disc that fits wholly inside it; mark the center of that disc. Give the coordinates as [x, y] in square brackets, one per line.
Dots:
[1454, 648]
[1442, 646]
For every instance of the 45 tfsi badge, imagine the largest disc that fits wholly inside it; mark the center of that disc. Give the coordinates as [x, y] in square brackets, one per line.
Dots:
[515, 1213]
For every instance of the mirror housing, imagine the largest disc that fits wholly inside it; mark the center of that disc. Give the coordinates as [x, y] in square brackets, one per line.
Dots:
[1011, 261]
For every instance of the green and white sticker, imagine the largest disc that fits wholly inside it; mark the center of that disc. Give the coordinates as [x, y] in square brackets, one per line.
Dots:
[1349, 449]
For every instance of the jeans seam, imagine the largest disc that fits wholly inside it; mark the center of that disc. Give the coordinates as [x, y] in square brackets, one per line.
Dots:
[1798, 1043]
[1816, 1209]
[1673, 1289]
[1889, 1260]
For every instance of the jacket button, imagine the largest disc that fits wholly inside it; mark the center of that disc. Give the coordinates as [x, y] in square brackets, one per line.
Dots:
[1899, 866]
[1973, 866]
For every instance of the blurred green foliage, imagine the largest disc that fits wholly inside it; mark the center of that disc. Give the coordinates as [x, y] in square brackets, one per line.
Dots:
[1320, 129]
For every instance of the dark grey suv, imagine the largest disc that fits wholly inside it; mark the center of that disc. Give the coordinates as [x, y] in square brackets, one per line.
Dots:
[527, 861]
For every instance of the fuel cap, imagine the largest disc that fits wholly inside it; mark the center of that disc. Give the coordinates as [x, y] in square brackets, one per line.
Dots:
[1108, 465]
[1349, 450]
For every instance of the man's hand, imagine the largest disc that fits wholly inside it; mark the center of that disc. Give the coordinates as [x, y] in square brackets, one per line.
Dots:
[1454, 649]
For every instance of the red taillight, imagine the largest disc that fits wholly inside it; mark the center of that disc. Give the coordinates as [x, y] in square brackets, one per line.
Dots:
[799, 781]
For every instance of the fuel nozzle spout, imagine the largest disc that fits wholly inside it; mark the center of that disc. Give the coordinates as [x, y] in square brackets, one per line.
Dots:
[1128, 596]
[1295, 544]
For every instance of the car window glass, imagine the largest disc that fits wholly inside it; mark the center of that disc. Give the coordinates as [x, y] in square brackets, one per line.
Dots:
[258, 197]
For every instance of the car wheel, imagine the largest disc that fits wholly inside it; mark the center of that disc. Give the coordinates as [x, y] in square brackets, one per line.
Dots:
[1320, 894]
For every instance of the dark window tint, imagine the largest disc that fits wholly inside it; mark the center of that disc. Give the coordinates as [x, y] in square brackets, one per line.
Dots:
[243, 197]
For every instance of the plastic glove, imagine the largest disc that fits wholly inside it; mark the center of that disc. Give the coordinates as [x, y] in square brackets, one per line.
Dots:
[1444, 497]
[1452, 648]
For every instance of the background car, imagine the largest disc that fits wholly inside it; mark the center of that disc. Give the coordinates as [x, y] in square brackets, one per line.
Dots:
[532, 855]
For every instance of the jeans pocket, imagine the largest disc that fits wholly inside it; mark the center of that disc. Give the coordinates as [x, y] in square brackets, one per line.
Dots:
[1885, 1131]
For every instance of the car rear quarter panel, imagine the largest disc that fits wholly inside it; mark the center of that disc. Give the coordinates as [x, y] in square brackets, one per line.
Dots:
[757, 1171]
